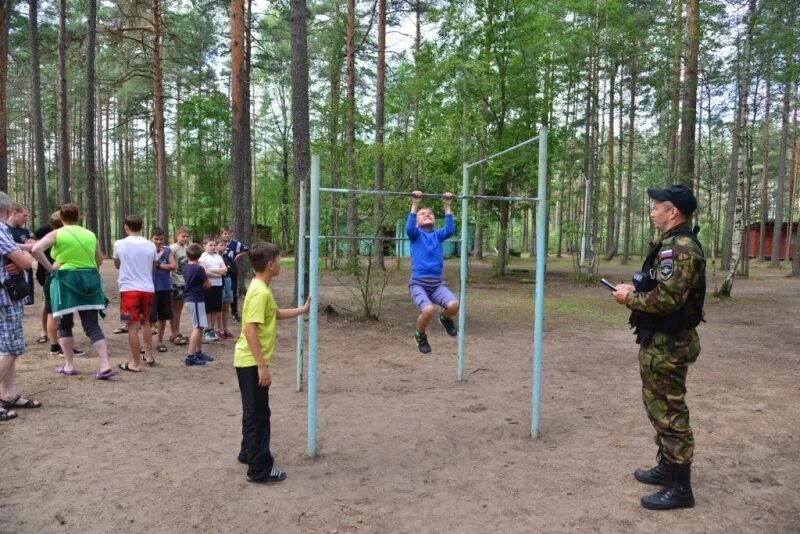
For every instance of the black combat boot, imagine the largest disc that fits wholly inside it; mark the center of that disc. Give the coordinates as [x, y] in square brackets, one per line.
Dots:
[677, 493]
[656, 475]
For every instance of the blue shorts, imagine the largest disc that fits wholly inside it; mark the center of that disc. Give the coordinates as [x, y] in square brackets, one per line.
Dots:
[12, 338]
[227, 290]
[427, 292]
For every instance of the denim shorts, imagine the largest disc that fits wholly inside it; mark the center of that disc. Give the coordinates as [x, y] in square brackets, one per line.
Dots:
[427, 292]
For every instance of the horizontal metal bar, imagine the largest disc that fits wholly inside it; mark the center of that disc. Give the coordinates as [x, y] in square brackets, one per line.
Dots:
[376, 192]
[367, 238]
[427, 195]
[506, 151]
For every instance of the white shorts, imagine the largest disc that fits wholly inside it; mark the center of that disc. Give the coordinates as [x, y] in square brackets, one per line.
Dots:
[198, 312]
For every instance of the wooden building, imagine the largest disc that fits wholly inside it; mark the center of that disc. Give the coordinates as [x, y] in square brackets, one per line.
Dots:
[754, 232]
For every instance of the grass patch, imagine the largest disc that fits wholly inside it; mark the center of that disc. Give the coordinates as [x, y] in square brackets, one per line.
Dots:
[583, 310]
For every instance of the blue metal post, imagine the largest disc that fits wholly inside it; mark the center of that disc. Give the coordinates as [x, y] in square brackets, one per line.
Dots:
[300, 258]
[462, 308]
[312, 315]
[541, 257]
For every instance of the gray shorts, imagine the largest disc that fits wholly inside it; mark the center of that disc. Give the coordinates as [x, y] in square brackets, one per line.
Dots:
[427, 292]
[198, 313]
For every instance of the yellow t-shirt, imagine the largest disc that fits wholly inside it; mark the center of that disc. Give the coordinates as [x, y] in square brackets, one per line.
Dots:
[260, 308]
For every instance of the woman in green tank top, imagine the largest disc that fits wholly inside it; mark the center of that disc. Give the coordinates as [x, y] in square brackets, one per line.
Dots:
[75, 286]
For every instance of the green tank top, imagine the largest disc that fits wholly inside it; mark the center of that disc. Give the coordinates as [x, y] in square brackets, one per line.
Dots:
[73, 247]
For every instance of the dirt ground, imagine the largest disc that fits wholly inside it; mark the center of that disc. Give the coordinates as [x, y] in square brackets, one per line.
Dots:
[402, 446]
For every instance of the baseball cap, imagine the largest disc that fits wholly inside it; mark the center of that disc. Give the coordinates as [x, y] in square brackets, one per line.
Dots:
[680, 196]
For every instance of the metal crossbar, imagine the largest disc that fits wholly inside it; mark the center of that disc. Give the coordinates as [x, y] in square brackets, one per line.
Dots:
[367, 238]
[426, 195]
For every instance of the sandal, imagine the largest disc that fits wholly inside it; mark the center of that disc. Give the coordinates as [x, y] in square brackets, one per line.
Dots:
[127, 367]
[42, 339]
[15, 403]
[161, 348]
[178, 340]
[121, 330]
[62, 371]
[104, 375]
[6, 416]
[151, 363]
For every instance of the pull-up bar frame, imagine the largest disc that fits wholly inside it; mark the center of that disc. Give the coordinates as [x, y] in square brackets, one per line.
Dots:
[314, 237]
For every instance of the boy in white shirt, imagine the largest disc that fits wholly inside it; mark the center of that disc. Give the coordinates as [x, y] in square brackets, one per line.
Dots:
[136, 257]
[215, 269]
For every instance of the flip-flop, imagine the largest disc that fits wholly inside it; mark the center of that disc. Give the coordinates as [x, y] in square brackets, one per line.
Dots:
[120, 330]
[161, 348]
[42, 339]
[60, 370]
[127, 367]
[150, 363]
[104, 375]
[13, 403]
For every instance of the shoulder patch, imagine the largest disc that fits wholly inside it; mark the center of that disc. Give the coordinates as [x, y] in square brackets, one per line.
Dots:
[665, 254]
[666, 269]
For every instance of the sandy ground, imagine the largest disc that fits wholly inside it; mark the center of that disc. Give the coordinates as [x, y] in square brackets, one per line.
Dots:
[402, 446]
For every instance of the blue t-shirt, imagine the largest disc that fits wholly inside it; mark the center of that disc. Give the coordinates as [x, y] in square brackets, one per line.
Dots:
[427, 253]
[162, 281]
[194, 275]
[234, 249]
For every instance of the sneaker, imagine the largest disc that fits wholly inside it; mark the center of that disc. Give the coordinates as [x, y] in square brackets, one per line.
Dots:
[75, 352]
[193, 359]
[210, 337]
[276, 474]
[449, 325]
[203, 356]
[422, 342]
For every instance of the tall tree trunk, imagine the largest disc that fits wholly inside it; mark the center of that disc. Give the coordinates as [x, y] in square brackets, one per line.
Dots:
[36, 112]
[101, 236]
[300, 111]
[159, 144]
[89, 120]
[689, 111]
[775, 256]
[239, 105]
[793, 188]
[3, 95]
[675, 89]
[739, 130]
[611, 241]
[63, 125]
[739, 142]
[380, 88]
[352, 245]
[765, 143]
[122, 183]
[626, 240]
[180, 189]
[335, 72]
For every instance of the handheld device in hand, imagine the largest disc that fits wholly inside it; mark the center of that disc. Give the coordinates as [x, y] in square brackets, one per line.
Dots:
[608, 284]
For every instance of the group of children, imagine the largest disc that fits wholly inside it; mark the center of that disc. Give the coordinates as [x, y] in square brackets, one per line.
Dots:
[157, 281]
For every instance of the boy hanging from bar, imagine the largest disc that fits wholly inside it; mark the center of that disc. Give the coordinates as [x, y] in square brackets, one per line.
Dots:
[426, 286]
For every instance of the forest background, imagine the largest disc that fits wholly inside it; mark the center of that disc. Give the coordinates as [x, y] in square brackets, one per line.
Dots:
[204, 113]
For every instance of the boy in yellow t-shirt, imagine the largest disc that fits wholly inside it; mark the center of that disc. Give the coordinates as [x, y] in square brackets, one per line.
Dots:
[252, 356]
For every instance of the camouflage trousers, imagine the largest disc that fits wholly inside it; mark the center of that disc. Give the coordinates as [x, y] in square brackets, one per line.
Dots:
[663, 369]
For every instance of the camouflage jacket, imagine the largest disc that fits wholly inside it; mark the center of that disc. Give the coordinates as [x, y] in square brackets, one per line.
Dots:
[679, 268]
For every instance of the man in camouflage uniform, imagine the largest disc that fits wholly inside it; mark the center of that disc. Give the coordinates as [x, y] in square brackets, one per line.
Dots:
[667, 304]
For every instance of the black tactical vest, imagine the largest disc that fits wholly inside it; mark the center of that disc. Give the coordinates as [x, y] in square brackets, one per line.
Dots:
[645, 325]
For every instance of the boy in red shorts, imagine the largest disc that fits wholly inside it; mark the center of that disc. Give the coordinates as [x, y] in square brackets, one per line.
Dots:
[136, 257]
